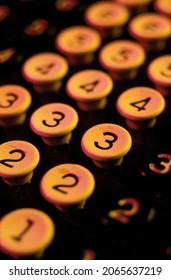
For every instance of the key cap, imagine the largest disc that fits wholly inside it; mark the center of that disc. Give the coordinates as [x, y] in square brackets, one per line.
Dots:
[151, 30]
[67, 186]
[78, 44]
[163, 7]
[107, 18]
[45, 71]
[90, 89]
[14, 101]
[122, 59]
[159, 72]
[106, 144]
[18, 159]
[26, 232]
[54, 123]
[140, 106]
[135, 6]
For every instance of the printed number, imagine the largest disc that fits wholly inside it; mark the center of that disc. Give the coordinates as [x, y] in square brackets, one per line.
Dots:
[165, 164]
[143, 102]
[122, 215]
[22, 155]
[29, 225]
[10, 101]
[164, 73]
[79, 41]
[122, 56]
[89, 86]
[45, 69]
[110, 142]
[151, 26]
[57, 121]
[67, 186]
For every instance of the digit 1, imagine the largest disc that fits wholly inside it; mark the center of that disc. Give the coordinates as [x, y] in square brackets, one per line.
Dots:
[19, 237]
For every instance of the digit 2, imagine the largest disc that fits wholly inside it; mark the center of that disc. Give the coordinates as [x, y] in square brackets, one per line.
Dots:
[57, 187]
[4, 161]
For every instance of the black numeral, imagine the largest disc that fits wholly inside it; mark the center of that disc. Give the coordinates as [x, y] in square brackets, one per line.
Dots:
[10, 101]
[45, 69]
[110, 142]
[56, 121]
[4, 161]
[29, 225]
[143, 103]
[89, 86]
[66, 185]
[122, 56]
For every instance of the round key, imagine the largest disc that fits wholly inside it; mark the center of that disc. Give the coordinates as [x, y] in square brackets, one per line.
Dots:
[107, 18]
[78, 44]
[159, 72]
[90, 89]
[67, 186]
[26, 232]
[140, 106]
[135, 6]
[36, 27]
[163, 7]
[151, 30]
[45, 71]
[14, 101]
[106, 144]
[17, 161]
[54, 122]
[122, 59]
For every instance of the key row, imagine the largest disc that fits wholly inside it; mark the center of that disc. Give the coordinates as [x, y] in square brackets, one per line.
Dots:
[54, 122]
[28, 232]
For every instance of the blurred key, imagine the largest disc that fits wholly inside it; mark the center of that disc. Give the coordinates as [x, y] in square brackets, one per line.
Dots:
[90, 89]
[151, 30]
[67, 186]
[78, 44]
[26, 232]
[159, 72]
[107, 18]
[140, 106]
[18, 159]
[45, 71]
[14, 102]
[135, 6]
[106, 144]
[54, 122]
[122, 59]
[163, 7]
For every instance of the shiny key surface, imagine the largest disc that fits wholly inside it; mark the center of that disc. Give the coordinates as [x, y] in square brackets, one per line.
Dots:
[98, 185]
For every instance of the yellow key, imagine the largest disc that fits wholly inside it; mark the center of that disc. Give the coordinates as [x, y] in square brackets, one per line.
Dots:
[151, 30]
[159, 72]
[140, 106]
[107, 18]
[45, 71]
[26, 232]
[106, 144]
[18, 159]
[122, 59]
[54, 122]
[14, 101]
[135, 6]
[78, 44]
[67, 186]
[90, 89]
[163, 7]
